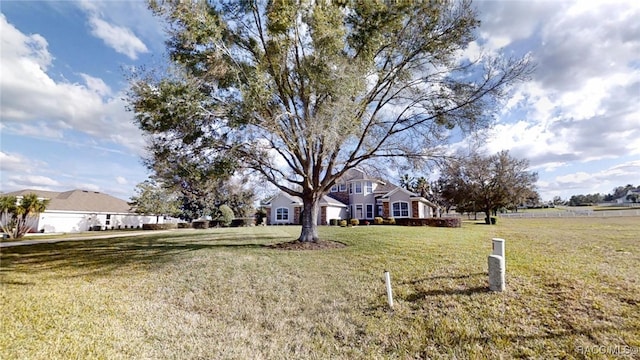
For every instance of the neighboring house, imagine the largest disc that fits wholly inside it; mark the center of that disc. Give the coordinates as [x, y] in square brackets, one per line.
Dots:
[632, 196]
[286, 209]
[82, 210]
[358, 196]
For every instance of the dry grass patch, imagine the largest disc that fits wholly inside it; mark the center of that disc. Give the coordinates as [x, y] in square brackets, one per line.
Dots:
[226, 293]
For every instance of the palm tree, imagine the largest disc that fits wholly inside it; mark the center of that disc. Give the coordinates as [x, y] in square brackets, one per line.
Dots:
[407, 182]
[15, 214]
[422, 187]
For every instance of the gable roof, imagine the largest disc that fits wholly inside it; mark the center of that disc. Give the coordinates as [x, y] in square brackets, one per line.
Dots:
[79, 200]
[410, 194]
[297, 201]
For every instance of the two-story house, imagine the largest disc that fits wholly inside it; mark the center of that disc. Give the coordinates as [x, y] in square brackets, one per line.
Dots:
[354, 196]
[369, 197]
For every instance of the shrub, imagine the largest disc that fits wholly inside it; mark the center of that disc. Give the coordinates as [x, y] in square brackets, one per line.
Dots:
[378, 220]
[226, 215]
[444, 222]
[200, 224]
[167, 226]
[184, 226]
[389, 221]
[354, 222]
[343, 223]
[242, 222]
[334, 222]
[366, 222]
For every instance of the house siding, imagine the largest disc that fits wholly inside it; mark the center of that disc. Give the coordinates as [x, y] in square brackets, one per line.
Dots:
[282, 201]
[335, 213]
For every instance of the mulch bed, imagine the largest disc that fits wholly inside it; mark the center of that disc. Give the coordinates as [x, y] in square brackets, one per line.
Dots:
[297, 245]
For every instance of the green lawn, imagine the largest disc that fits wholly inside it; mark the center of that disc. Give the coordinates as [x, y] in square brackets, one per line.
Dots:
[573, 291]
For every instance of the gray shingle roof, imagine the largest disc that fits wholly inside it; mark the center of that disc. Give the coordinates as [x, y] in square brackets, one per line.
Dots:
[80, 201]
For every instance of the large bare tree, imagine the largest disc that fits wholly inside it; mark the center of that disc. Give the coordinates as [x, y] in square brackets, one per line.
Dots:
[302, 91]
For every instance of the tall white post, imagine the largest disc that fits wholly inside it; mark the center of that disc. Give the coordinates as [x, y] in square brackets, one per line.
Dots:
[387, 280]
[498, 249]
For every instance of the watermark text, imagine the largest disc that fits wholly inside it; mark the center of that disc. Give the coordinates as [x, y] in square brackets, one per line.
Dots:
[608, 350]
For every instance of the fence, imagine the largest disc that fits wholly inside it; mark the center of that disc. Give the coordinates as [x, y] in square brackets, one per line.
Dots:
[569, 214]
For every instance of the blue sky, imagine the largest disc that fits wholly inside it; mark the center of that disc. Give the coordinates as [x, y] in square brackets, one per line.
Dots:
[63, 122]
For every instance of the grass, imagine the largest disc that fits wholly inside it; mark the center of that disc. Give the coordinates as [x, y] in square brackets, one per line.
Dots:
[573, 291]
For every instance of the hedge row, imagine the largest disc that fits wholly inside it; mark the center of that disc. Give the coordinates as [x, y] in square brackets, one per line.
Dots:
[434, 222]
[167, 226]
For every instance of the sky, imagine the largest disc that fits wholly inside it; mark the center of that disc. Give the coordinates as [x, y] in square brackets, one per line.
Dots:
[63, 79]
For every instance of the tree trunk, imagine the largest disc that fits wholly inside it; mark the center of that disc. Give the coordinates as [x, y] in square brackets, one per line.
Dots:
[487, 214]
[309, 218]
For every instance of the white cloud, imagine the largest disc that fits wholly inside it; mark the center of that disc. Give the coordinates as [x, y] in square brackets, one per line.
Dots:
[121, 180]
[121, 39]
[14, 162]
[96, 85]
[134, 16]
[36, 182]
[602, 181]
[581, 104]
[34, 104]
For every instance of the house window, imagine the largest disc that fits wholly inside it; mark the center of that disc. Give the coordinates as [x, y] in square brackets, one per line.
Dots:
[358, 214]
[358, 188]
[108, 221]
[334, 188]
[401, 209]
[343, 187]
[282, 214]
[369, 211]
[368, 187]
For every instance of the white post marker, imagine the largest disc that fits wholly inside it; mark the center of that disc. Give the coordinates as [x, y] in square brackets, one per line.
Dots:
[496, 273]
[498, 247]
[387, 280]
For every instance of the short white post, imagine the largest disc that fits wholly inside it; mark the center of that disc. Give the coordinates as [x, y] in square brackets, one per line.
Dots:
[498, 249]
[387, 280]
[496, 273]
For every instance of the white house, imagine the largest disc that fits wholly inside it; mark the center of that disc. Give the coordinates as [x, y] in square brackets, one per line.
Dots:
[631, 196]
[83, 210]
[286, 209]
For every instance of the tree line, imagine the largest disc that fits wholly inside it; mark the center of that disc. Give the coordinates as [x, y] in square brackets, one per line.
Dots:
[594, 199]
[478, 183]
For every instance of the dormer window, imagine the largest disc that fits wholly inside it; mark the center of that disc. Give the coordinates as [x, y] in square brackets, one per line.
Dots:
[368, 187]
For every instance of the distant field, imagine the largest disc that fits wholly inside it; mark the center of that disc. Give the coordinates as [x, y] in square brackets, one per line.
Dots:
[573, 291]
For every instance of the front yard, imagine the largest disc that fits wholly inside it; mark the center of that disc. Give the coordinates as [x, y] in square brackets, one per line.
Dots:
[573, 291]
